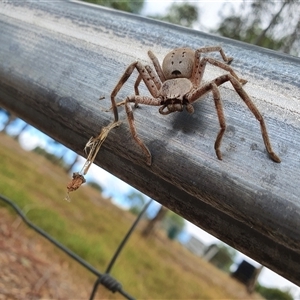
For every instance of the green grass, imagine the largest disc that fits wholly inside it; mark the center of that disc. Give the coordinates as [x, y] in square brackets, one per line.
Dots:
[154, 268]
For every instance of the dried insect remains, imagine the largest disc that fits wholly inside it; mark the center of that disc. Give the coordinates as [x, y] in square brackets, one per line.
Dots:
[177, 84]
[91, 148]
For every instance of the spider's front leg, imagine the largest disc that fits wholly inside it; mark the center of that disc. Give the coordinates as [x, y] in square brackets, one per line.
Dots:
[157, 66]
[227, 59]
[139, 100]
[200, 66]
[143, 74]
[156, 80]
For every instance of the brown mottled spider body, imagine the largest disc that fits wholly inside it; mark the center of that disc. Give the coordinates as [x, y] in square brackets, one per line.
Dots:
[177, 85]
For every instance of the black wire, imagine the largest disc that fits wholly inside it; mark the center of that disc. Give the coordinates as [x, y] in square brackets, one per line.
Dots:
[119, 249]
[50, 238]
[105, 279]
[126, 237]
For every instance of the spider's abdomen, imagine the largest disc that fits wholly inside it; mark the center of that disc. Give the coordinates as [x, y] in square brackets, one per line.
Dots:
[179, 63]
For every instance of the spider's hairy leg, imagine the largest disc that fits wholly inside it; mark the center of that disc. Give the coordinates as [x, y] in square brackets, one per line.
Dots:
[139, 100]
[199, 64]
[136, 85]
[197, 77]
[119, 85]
[149, 79]
[226, 68]
[244, 96]
[136, 90]
[221, 117]
[157, 66]
[227, 59]
[134, 134]
[145, 76]
[153, 76]
[198, 92]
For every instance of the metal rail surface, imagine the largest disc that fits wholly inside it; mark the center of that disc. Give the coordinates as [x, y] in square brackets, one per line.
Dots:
[58, 58]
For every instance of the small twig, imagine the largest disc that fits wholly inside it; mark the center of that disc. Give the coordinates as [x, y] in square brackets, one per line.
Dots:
[94, 144]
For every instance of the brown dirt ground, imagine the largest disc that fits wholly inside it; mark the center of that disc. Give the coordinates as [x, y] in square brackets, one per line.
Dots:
[26, 270]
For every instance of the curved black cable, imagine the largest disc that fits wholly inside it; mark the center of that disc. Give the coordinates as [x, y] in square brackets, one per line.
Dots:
[119, 249]
[50, 238]
[108, 281]
[126, 237]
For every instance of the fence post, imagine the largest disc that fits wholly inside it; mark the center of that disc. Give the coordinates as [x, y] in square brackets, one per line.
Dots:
[58, 58]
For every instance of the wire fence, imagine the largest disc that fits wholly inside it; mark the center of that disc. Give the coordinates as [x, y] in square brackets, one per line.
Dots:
[104, 279]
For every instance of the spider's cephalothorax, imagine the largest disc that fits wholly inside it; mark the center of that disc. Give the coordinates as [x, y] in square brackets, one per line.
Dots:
[178, 83]
[179, 63]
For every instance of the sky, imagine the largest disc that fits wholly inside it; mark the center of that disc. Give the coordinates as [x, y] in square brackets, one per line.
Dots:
[118, 189]
[208, 9]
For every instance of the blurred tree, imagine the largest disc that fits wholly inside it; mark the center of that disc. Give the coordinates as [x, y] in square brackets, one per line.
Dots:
[224, 257]
[137, 201]
[23, 128]
[263, 23]
[184, 14]
[64, 151]
[96, 186]
[152, 224]
[125, 5]
[51, 157]
[273, 293]
[173, 224]
[72, 164]
[10, 118]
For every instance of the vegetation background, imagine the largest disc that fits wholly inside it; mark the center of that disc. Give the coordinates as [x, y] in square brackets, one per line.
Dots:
[155, 267]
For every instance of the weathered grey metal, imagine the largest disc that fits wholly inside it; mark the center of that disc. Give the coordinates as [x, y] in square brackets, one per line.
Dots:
[57, 58]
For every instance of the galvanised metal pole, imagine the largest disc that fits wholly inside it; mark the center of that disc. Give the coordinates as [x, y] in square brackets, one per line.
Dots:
[58, 58]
